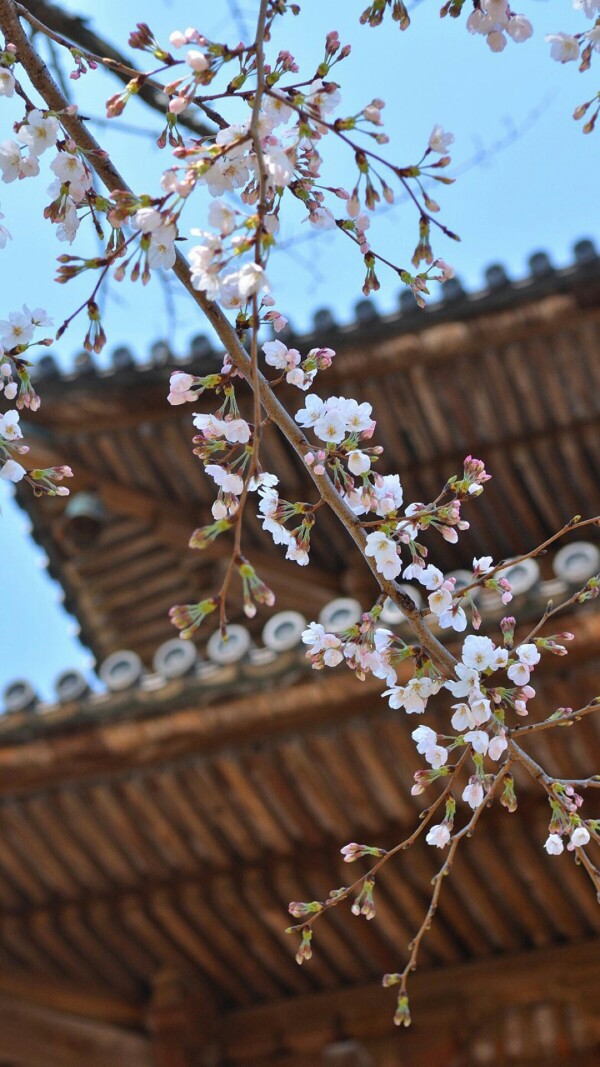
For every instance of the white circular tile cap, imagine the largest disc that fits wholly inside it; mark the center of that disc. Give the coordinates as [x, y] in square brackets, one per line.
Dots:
[233, 649]
[19, 695]
[121, 670]
[522, 575]
[464, 577]
[391, 614]
[283, 631]
[340, 613]
[70, 685]
[174, 658]
[577, 562]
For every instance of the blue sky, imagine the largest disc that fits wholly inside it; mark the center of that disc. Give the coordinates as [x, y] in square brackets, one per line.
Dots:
[525, 181]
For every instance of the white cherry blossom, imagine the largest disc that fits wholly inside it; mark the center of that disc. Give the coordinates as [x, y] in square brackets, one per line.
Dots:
[438, 835]
[388, 494]
[39, 132]
[497, 746]
[331, 425]
[478, 652]
[251, 279]
[16, 330]
[236, 431]
[479, 740]
[439, 140]
[9, 426]
[229, 483]
[180, 388]
[147, 219]
[453, 618]
[384, 551]
[580, 837]
[554, 845]
[7, 82]
[68, 168]
[222, 217]
[226, 174]
[358, 462]
[519, 673]
[528, 654]
[161, 252]
[12, 471]
[311, 412]
[473, 793]
[519, 28]
[564, 48]
[590, 8]
[424, 738]
[496, 41]
[468, 682]
[197, 61]
[439, 601]
[12, 162]
[430, 577]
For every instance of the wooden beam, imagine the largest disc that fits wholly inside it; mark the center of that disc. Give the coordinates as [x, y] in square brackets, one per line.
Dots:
[444, 342]
[32, 1036]
[105, 747]
[346, 1054]
[62, 996]
[172, 525]
[255, 1035]
[169, 1021]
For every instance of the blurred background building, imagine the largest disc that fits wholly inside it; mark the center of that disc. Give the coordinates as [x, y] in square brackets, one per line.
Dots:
[154, 827]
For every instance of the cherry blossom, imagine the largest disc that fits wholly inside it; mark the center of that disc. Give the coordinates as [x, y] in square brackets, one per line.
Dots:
[580, 836]
[383, 550]
[440, 141]
[554, 845]
[39, 132]
[473, 793]
[16, 330]
[12, 471]
[4, 234]
[563, 47]
[438, 835]
[161, 252]
[7, 82]
[14, 165]
[9, 426]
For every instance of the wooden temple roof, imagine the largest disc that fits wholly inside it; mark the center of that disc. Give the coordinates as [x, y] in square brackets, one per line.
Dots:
[164, 834]
[151, 837]
[511, 374]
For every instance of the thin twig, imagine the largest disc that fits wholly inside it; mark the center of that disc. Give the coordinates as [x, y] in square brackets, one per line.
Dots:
[573, 524]
[438, 879]
[556, 720]
[424, 819]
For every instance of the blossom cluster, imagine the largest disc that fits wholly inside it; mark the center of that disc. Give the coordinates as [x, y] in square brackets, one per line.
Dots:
[483, 699]
[495, 20]
[39, 132]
